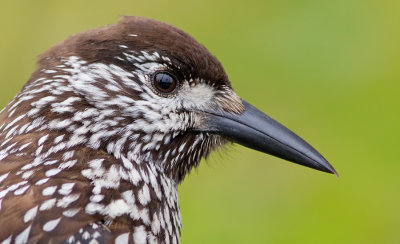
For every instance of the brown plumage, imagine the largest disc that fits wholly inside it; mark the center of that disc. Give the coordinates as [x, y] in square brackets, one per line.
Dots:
[93, 147]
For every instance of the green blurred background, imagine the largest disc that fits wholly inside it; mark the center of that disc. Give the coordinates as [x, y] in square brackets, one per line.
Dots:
[329, 70]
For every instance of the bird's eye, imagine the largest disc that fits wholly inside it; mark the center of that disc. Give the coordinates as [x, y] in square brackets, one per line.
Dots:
[164, 82]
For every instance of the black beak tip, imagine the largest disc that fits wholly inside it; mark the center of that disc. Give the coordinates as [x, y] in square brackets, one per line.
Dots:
[327, 167]
[333, 171]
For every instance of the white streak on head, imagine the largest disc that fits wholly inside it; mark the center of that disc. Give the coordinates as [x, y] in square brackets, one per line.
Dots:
[14, 121]
[198, 97]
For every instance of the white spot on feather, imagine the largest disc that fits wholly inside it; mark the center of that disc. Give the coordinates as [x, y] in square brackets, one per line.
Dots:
[96, 198]
[23, 237]
[86, 235]
[52, 172]
[21, 190]
[7, 241]
[30, 214]
[67, 200]
[27, 174]
[144, 195]
[48, 204]
[71, 212]
[51, 225]
[122, 239]
[49, 190]
[66, 188]
[42, 139]
[58, 139]
[117, 208]
[3, 176]
[139, 237]
[41, 182]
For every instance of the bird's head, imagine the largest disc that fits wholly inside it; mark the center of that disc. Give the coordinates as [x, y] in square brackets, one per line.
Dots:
[145, 91]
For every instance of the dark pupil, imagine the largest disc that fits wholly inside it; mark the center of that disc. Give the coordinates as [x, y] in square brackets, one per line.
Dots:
[165, 82]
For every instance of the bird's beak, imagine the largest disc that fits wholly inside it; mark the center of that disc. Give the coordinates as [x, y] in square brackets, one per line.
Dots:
[256, 130]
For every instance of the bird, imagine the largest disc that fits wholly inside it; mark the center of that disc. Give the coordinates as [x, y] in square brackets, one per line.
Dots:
[94, 146]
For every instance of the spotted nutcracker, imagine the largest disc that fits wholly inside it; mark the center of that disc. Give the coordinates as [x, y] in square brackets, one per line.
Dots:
[94, 146]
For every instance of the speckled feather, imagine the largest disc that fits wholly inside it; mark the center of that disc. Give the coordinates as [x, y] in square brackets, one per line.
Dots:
[91, 153]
